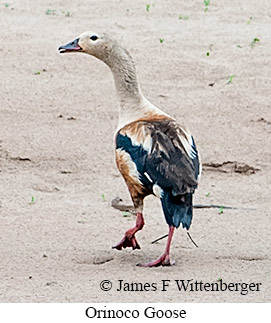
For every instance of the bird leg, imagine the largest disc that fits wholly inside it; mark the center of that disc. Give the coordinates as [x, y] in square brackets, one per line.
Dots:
[129, 239]
[164, 259]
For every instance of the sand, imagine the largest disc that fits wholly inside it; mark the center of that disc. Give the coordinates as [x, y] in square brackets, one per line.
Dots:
[58, 113]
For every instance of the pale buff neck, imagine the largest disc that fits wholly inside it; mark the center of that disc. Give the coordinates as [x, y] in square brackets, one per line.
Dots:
[132, 104]
[126, 82]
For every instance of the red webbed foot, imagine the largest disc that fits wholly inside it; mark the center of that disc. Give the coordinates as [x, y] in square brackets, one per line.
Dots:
[129, 239]
[162, 261]
[127, 242]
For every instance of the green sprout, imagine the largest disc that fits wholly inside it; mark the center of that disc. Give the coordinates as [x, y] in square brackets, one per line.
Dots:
[6, 5]
[67, 13]
[207, 194]
[103, 197]
[206, 4]
[254, 41]
[50, 12]
[183, 17]
[249, 20]
[161, 40]
[148, 6]
[208, 54]
[126, 214]
[231, 78]
[37, 73]
[33, 200]
[221, 209]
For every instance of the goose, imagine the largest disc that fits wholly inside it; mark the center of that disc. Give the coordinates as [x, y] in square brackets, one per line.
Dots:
[154, 153]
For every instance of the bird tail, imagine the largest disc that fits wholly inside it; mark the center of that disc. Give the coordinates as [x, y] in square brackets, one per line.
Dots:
[177, 209]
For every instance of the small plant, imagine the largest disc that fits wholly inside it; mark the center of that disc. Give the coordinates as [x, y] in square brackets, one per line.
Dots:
[208, 54]
[207, 194]
[33, 200]
[161, 40]
[67, 13]
[206, 5]
[103, 197]
[148, 6]
[255, 41]
[249, 20]
[183, 17]
[50, 12]
[221, 209]
[6, 5]
[37, 73]
[126, 214]
[231, 78]
[218, 279]
[239, 46]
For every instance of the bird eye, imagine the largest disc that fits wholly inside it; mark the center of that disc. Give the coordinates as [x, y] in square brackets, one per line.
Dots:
[93, 37]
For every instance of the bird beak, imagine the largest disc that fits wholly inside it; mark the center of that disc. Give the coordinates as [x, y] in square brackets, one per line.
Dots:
[70, 47]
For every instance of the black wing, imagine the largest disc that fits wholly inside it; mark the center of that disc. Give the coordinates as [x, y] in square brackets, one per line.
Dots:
[166, 159]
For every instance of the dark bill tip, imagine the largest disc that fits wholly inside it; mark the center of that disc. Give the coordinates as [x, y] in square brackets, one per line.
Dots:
[70, 47]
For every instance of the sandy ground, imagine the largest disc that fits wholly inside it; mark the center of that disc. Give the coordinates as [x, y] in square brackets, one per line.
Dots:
[58, 176]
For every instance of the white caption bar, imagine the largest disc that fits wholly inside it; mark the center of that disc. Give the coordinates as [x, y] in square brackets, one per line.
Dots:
[158, 312]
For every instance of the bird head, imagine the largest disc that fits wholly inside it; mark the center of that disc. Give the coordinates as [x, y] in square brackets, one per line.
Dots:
[96, 44]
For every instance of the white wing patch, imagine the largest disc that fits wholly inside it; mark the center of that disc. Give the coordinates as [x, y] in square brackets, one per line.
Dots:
[187, 143]
[142, 139]
[157, 191]
[148, 177]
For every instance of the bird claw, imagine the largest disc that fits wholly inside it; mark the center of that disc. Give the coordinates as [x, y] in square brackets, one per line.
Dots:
[162, 261]
[127, 242]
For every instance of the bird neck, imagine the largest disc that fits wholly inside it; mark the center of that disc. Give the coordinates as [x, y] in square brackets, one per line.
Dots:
[132, 103]
[126, 82]
[124, 72]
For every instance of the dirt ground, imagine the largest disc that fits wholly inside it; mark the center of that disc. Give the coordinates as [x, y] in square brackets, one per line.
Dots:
[208, 68]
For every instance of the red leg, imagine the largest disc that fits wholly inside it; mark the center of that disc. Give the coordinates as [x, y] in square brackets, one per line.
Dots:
[164, 259]
[129, 239]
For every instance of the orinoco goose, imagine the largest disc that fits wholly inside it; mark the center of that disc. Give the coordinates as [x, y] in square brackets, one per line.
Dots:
[154, 153]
